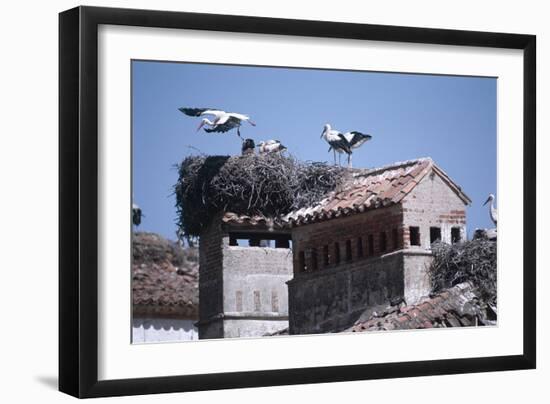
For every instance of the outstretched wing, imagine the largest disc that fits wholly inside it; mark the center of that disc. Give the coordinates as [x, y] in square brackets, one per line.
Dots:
[231, 123]
[195, 111]
[341, 143]
[356, 139]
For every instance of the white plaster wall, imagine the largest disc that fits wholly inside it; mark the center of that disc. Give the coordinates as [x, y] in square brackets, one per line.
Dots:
[146, 329]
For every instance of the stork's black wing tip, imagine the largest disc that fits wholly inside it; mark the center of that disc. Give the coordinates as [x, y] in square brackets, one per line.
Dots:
[192, 111]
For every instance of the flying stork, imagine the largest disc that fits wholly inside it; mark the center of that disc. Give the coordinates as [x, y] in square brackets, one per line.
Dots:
[492, 209]
[222, 121]
[271, 146]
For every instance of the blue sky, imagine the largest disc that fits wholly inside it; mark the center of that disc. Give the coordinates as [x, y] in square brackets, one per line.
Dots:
[449, 118]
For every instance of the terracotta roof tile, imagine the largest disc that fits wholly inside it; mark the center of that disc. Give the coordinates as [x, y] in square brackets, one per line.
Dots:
[458, 306]
[365, 189]
[164, 277]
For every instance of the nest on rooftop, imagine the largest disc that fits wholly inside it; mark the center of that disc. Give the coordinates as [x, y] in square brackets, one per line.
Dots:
[474, 261]
[270, 185]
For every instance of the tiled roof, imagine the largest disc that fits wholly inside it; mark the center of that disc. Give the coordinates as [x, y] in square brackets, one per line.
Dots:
[252, 220]
[164, 277]
[458, 306]
[371, 189]
[364, 189]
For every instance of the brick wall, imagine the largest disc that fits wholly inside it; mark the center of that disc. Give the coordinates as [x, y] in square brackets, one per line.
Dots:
[346, 266]
[210, 271]
[347, 234]
[433, 204]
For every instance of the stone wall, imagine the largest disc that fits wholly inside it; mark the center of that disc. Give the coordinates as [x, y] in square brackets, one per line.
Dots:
[333, 299]
[244, 291]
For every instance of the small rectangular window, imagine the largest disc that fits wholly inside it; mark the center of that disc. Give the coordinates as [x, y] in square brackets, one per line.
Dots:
[336, 253]
[395, 239]
[301, 262]
[265, 240]
[326, 256]
[348, 250]
[435, 234]
[314, 259]
[282, 243]
[360, 247]
[371, 244]
[383, 242]
[455, 235]
[414, 234]
[257, 301]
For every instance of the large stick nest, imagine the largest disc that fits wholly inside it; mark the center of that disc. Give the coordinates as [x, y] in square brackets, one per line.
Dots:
[270, 185]
[474, 261]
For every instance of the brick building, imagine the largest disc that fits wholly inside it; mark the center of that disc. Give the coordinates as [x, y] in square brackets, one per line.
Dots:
[368, 244]
[245, 263]
[321, 268]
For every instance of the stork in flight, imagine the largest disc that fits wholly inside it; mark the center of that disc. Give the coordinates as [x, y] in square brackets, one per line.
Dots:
[271, 146]
[222, 121]
[492, 209]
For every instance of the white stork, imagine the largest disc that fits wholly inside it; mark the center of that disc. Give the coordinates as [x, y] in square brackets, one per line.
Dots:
[270, 146]
[222, 121]
[338, 143]
[492, 209]
[356, 139]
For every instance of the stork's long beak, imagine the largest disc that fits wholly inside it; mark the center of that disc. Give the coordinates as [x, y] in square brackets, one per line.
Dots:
[487, 201]
[200, 126]
[251, 123]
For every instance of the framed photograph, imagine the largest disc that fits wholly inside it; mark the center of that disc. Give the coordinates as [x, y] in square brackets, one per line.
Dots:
[251, 201]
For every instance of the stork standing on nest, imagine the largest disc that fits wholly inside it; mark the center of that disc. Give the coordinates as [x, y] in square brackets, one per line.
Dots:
[248, 147]
[492, 210]
[271, 146]
[222, 121]
[344, 142]
[337, 141]
[356, 140]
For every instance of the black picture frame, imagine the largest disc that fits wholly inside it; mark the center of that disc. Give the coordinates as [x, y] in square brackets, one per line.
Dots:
[78, 201]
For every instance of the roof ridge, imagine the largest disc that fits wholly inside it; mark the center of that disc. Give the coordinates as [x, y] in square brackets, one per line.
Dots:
[392, 166]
